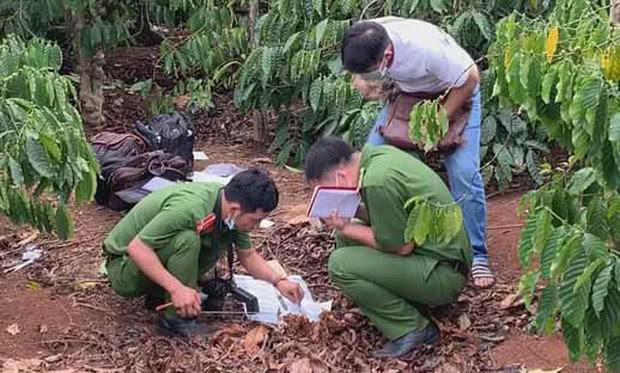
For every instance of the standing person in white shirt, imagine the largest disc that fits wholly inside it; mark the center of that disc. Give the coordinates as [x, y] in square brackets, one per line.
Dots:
[421, 58]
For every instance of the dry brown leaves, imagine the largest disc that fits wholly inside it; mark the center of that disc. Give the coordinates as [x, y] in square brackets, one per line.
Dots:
[254, 338]
[341, 341]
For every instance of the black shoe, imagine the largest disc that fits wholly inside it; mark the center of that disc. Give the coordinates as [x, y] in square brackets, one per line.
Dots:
[174, 325]
[408, 342]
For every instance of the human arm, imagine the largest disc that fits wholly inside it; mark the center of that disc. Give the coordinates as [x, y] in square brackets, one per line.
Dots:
[454, 102]
[258, 268]
[185, 299]
[362, 234]
[456, 70]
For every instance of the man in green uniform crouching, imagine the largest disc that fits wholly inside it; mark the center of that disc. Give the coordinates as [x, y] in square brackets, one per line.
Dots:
[163, 245]
[388, 277]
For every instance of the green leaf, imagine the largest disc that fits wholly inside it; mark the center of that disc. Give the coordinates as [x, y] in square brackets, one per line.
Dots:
[452, 222]
[533, 167]
[50, 146]
[526, 241]
[611, 354]
[614, 128]
[489, 128]
[610, 315]
[548, 83]
[573, 337]
[86, 187]
[62, 222]
[585, 279]
[581, 142]
[423, 223]
[571, 246]
[543, 230]
[546, 306]
[600, 288]
[411, 220]
[316, 88]
[581, 180]
[595, 246]
[549, 252]
[16, 172]
[38, 157]
[527, 286]
[320, 30]
[290, 41]
[596, 218]
[573, 304]
[593, 336]
[591, 90]
[438, 6]
[411, 202]
[483, 24]
[284, 154]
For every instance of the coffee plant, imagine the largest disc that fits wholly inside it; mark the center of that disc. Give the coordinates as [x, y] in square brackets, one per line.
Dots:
[86, 27]
[292, 66]
[44, 156]
[561, 71]
[431, 223]
[428, 124]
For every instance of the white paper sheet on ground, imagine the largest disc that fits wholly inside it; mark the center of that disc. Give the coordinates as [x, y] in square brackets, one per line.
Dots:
[266, 224]
[157, 183]
[200, 156]
[220, 173]
[208, 178]
[271, 303]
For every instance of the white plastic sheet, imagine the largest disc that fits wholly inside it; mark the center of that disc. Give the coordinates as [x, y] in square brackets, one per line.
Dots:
[272, 305]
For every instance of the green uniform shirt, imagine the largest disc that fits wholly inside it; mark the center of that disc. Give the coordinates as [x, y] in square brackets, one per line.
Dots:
[390, 177]
[165, 213]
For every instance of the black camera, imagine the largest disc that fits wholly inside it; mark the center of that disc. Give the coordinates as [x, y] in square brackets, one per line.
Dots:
[217, 289]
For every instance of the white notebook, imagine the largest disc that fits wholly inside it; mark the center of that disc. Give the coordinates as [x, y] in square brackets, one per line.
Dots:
[327, 200]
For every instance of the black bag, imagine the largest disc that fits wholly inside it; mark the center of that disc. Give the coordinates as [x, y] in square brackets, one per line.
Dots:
[125, 183]
[172, 133]
[112, 150]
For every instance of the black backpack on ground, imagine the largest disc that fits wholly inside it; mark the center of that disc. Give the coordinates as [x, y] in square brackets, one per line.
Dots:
[173, 133]
[125, 184]
[126, 167]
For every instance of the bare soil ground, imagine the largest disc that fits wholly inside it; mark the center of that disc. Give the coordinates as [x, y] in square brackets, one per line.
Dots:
[59, 314]
[68, 317]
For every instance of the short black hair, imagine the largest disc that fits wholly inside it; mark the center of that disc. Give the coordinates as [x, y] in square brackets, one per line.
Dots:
[326, 154]
[363, 46]
[253, 189]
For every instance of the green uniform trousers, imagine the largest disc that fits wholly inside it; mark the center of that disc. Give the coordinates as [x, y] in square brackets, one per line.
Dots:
[389, 288]
[182, 259]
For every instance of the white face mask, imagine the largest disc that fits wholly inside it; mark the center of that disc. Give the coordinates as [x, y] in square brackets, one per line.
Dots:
[378, 74]
[230, 223]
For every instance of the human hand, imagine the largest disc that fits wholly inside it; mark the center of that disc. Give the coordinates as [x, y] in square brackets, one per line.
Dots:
[291, 290]
[336, 222]
[450, 142]
[405, 250]
[186, 301]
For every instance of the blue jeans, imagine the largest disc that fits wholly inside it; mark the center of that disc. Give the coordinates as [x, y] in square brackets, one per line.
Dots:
[466, 183]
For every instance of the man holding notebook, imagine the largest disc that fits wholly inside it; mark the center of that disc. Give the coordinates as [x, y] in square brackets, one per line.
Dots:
[388, 277]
